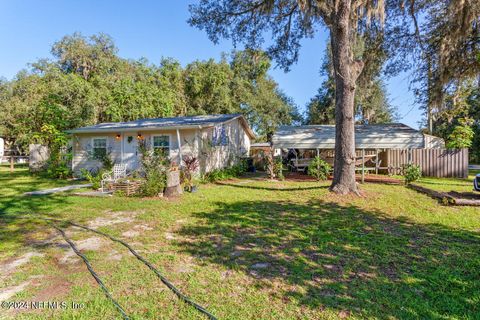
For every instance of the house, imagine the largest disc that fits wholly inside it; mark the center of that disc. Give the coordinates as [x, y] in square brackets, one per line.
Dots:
[216, 140]
[383, 148]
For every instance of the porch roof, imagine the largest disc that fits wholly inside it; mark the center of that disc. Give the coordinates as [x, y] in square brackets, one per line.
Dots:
[377, 136]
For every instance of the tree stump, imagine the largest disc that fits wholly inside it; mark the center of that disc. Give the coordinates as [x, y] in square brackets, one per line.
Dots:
[174, 187]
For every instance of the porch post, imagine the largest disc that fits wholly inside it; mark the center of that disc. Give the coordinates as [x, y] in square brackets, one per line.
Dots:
[179, 149]
[122, 147]
[73, 153]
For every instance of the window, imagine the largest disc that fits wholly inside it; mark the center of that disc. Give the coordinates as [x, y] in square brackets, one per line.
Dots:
[99, 149]
[161, 143]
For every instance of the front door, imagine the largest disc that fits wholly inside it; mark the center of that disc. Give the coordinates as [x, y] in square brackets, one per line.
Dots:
[130, 150]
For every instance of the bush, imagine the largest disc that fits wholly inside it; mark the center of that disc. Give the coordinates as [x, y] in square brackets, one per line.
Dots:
[95, 178]
[225, 173]
[278, 168]
[59, 170]
[153, 184]
[107, 162]
[319, 169]
[461, 137]
[412, 173]
[58, 164]
[154, 167]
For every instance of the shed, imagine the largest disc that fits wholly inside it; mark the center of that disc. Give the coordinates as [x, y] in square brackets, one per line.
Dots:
[382, 148]
[376, 136]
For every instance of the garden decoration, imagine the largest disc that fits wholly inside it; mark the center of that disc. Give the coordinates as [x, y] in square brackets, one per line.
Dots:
[119, 171]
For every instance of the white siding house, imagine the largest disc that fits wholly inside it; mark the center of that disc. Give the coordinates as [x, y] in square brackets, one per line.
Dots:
[216, 140]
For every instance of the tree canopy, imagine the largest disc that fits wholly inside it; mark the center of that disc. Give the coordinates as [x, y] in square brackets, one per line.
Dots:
[371, 99]
[356, 28]
[86, 82]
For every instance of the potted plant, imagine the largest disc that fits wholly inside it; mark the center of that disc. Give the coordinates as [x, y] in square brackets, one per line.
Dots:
[189, 170]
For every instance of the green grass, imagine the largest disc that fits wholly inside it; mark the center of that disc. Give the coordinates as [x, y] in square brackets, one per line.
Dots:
[392, 254]
[449, 184]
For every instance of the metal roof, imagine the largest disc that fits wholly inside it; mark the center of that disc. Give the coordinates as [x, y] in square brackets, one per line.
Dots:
[191, 122]
[381, 136]
[260, 145]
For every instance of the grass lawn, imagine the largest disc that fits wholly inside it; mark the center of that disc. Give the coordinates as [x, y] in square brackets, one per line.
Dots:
[247, 249]
[450, 184]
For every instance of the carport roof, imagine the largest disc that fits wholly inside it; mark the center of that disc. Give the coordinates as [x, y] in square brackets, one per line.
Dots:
[377, 136]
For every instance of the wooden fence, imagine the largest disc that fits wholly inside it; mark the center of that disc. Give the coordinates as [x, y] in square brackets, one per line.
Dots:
[433, 162]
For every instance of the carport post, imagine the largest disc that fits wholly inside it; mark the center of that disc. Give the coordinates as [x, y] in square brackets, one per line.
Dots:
[363, 165]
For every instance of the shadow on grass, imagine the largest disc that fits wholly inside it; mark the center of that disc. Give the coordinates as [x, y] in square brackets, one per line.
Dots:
[17, 212]
[344, 258]
[269, 188]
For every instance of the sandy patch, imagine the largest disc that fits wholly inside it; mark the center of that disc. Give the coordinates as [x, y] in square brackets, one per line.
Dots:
[114, 255]
[57, 287]
[93, 243]
[169, 236]
[136, 231]
[143, 227]
[114, 218]
[131, 233]
[9, 292]
[13, 265]
[184, 266]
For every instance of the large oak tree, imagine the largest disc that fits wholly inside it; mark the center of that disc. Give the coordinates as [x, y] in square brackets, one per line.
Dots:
[289, 21]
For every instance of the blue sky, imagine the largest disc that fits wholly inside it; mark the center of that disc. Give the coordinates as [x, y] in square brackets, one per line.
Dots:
[153, 29]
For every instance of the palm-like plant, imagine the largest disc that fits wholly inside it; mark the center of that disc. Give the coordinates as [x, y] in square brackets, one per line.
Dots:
[190, 167]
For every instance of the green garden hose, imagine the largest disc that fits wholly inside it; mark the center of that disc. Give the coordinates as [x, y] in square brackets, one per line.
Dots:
[177, 292]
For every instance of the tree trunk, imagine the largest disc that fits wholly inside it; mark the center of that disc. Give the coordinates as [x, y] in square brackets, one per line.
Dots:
[347, 71]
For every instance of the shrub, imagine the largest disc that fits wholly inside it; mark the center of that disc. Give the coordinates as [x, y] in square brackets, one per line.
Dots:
[153, 184]
[225, 173]
[278, 168]
[462, 135]
[319, 169]
[107, 162]
[95, 177]
[412, 173]
[58, 163]
[59, 170]
[154, 169]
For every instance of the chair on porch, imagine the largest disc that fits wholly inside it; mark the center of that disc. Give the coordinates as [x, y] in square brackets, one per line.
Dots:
[300, 165]
[119, 171]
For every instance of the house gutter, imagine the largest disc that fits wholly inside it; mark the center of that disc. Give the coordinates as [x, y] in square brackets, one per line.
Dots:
[116, 130]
